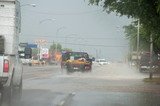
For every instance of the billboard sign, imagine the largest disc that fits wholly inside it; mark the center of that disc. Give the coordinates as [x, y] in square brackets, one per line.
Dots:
[44, 53]
[23, 44]
[32, 45]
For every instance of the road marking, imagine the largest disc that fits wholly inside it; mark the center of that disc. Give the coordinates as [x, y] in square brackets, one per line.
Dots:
[61, 103]
[63, 99]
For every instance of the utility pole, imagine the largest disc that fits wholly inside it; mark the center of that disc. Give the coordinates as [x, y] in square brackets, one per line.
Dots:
[63, 27]
[39, 51]
[56, 47]
[151, 57]
[138, 27]
[96, 54]
[138, 42]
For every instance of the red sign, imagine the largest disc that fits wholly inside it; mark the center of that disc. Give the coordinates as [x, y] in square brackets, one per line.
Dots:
[45, 56]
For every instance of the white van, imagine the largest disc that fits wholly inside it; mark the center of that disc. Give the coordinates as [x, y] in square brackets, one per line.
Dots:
[102, 61]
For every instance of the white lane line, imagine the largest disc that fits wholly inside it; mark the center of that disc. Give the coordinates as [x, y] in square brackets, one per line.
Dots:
[59, 100]
[63, 99]
[61, 103]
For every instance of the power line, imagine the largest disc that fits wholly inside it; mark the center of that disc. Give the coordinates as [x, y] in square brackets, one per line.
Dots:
[91, 45]
[69, 13]
[98, 45]
[73, 37]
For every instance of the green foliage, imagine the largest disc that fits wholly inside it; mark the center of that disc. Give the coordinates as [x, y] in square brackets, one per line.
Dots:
[59, 47]
[67, 49]
[131, 34]
[34, 51]
[147, 11]
[55, 47]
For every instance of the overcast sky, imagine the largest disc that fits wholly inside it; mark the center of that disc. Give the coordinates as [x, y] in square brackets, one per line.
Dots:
[77, 25]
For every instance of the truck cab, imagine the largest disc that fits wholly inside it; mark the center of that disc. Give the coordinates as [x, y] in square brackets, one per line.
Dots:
[11, 68]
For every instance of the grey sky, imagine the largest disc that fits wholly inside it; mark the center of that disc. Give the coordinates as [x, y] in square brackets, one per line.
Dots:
[88, 23]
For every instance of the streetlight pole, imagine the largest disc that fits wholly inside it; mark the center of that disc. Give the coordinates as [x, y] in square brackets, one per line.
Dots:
[151, 56]
[58, 30]
[48, 19]
[23, 5]
[63, 27]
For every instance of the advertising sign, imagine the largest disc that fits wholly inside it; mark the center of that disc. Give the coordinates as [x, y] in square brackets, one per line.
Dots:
[44, 53]
[32, 45]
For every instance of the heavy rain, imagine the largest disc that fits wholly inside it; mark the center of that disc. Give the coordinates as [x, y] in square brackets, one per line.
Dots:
[79, 53]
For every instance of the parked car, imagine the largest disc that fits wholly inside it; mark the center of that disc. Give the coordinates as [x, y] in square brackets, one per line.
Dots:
[145, 61]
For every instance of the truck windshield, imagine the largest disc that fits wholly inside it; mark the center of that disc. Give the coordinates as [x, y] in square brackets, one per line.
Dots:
[78, 55]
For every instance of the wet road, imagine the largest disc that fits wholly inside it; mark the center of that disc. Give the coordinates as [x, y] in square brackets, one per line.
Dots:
[109, 85]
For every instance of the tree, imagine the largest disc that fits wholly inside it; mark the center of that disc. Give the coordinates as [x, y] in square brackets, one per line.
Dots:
[34, 51]
[59, 47]
[67, 49]
[147, 11]
[55, 47]
[131, 35]
[52, 47]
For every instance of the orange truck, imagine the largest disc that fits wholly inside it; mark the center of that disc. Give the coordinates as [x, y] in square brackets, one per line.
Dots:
[57, 56]
[76, 61]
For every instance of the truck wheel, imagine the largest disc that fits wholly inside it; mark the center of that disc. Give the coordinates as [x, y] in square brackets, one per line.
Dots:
[17, 93]
[69, 69]
[82, 68]
[7, 96]
[11, 95]
[90, 70]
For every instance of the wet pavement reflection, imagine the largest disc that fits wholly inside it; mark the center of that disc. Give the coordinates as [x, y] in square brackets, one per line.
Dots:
[109, 85]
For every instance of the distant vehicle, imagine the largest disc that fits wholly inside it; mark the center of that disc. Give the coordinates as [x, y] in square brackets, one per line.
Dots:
[144, 63]
[76, 61]
[26, 61]
[102, 62]
[35, 62]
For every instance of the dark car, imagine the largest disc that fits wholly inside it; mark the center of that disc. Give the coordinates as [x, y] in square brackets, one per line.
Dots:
[145, 61]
